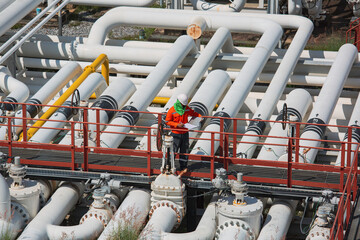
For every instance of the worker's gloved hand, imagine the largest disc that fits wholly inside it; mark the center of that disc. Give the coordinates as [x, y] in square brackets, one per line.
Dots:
[180, 125]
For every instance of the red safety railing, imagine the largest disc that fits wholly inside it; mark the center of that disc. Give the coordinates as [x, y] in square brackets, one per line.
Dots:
[226, 140]
[347, 202]
[353, 34]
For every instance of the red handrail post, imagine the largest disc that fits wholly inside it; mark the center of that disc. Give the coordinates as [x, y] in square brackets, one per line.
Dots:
[212, 164]
[289, 172]
[86, 143]
[97, 127]
[341, 187]
[297, 142]
[221, 137]
[234, 137]
[348, 152]
[355, 164]
[9, 139]
[72, 146]
[226, 150]
[149, 152]
[23, 108]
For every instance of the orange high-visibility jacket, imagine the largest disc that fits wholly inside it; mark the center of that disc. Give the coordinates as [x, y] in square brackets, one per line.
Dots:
[173, 119]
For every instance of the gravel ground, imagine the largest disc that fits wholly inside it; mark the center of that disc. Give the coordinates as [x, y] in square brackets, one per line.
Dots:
[81, 27]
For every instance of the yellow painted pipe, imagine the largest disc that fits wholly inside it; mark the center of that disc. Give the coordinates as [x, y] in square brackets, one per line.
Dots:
[100, 60]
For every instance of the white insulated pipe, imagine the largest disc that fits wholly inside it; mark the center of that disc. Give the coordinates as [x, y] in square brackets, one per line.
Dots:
[91, 228]
[17, 91]
[241, 87]
[204, 231]
[162, 220]
[5, 3]
[298, 102]
[45, 94]
[278, 83]
[220, 40]
[58, 206]
[234, 6]
[132, 213]
[278, 220]
[44, 135]
[326, 101]
[312, 80]
[113, 98]
[15, 12]
[355, 134]
[174, 19]
[5, 200]
[114, 3]
[294, 7]
[147, 91]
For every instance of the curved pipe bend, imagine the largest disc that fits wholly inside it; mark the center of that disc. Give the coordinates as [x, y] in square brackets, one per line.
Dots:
[235, 6]
[174, 19]
[18, 91]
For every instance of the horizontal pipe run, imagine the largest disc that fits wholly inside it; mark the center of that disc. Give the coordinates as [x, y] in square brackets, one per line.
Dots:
[114, 3]
[312, 80]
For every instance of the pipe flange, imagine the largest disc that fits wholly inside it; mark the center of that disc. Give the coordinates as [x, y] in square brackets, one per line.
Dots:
[21, 210]
[111, 205]
[98, 215]
[238, 224]
[171, 205]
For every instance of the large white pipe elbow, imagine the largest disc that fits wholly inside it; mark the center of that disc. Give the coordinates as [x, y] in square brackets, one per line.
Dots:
[60, 203]
[132, 213]
[114, 3]
[91, 228]
[17, 91]
[15, 12]
[204, 231]
[235, 6]
[278, 220]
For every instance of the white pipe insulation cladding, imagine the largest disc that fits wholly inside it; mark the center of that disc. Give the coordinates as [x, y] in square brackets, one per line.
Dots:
[132, 213]
[54, 212]
[326, 101]
[298, 102]
[241, 87]
[220, 40]
[147, 91]
[17, 91]
[15, 12]
[174, 19]
[46, 93]
[278, 220]
[355, 134]
[205, 229]
[114, 3]
[94, 82]
[234, 6]
[277, 84]
[113, 98]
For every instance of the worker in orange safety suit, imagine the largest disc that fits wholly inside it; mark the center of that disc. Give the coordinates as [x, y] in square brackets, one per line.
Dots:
[177, 116]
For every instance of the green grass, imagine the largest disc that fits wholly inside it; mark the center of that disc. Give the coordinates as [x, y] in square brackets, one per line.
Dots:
[124, 233]
[332, 43]
[5, 234]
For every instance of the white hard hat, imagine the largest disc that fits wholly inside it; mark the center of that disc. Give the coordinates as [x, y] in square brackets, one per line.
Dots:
[183, 99]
